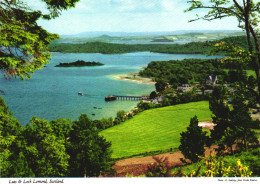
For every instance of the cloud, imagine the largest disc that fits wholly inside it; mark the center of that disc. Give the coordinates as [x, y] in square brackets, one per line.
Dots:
[128, 6]
[128, 16]
[37, 5]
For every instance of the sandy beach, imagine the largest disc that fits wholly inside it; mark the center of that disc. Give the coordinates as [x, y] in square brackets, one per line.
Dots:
[133, 78]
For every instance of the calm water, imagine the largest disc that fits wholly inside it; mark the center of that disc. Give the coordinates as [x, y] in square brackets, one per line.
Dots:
[133, 42]
[53, 92]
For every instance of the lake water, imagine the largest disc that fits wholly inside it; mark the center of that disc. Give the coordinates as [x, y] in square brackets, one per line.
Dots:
[53, 91]
[132, 42]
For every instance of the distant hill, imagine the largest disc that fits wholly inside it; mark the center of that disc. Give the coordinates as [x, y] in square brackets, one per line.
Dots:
[199, 44]
[160, 33]
[173, 37]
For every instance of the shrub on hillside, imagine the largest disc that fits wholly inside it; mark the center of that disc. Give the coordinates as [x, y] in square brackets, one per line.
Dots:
[160, 168]
[242, 164]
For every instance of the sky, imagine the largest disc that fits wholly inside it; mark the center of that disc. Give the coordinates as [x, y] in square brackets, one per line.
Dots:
[129, 16]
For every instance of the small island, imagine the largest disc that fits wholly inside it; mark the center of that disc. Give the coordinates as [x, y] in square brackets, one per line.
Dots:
[79, 63]
[162, 40]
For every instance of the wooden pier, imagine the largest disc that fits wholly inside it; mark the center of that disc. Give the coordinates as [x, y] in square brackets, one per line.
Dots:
[122, 97]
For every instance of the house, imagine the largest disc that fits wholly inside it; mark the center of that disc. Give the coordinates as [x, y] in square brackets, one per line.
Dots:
[212, 79]
[184, 88]
[159, 99]
[226, 85]
[209, 91]
[145, 97]
[199, 93]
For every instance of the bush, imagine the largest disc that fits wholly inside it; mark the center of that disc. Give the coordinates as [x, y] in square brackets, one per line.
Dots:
[161, 168]
[153, 95]
[243, 164]
[216, 168]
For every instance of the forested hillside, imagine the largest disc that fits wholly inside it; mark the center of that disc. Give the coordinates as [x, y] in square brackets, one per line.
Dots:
[113, 48]
[177, 72]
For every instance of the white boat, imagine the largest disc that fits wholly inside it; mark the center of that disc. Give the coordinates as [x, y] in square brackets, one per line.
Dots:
[81, 94]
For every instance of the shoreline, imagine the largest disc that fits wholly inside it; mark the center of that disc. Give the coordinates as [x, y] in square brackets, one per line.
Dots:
[133, 78]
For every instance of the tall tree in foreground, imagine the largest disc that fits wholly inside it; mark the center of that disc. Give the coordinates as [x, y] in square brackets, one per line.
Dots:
[232, 124]
[23, 43]
[45, 151]
[12, 160]
[193, 141]
[223, 130]
[242, 121]
[89, 152]
[247, 13]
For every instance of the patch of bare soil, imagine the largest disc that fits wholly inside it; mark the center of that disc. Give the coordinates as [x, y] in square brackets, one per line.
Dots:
[206, 124]
[139, 166]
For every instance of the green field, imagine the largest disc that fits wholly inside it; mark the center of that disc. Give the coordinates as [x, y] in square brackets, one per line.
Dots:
[155, 129]
[251, 72]
[248, 72]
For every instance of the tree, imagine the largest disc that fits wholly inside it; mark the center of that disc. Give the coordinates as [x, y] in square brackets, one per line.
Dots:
[89, 152]
[224, 131]
[10, 130]
[34, 150]
[44, 151]
[120, 116]
[231, 124]
[242, 120]
[166, 102]
[247, 13]
[9, 125]
[61, 128]
[193, 141]
[144, 105]
[23, 43]
[160, 85]
[153, 95]
[5, 153]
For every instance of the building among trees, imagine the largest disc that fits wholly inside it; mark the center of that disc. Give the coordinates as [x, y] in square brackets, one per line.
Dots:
[212, 79]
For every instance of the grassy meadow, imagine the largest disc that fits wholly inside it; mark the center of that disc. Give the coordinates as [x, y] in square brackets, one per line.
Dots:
[248, 72]
[154, 129]
[251, 72]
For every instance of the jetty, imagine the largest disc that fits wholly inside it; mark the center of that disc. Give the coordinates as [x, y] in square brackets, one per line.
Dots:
[123, 97]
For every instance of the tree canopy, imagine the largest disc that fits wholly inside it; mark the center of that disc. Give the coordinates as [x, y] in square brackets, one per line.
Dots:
[89, 152]
[247, 13]
[23, 43]
[54, 148]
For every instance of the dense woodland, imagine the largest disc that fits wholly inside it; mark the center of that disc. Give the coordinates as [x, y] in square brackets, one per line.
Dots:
[113, 48]
[55, 148]
[188, 71]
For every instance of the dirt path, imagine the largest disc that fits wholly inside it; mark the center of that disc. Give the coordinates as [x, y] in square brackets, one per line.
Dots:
[138, 166]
